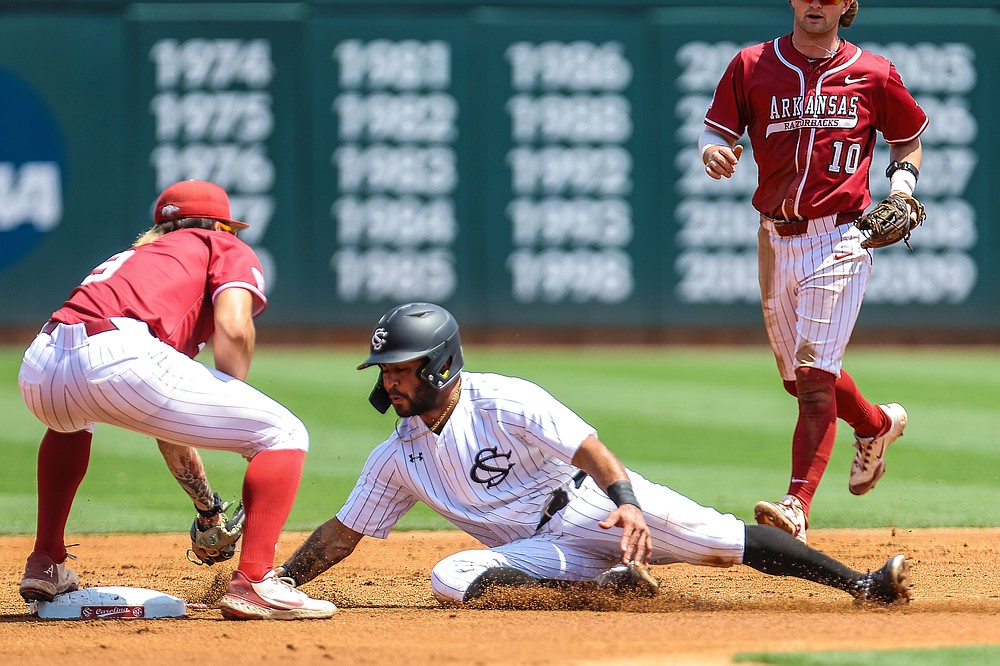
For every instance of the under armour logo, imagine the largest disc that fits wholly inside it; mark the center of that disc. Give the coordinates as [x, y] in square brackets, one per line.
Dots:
[414, 457]
[379, 338]
[49, 570]
[494, 474]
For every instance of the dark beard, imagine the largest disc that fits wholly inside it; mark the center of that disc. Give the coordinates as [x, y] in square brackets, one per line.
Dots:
[422, 401]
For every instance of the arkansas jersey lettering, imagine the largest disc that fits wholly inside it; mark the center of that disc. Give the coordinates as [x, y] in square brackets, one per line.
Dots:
[814, 150]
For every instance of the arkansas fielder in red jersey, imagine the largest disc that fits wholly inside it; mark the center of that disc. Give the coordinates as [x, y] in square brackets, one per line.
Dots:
[158, 298]
[812, 124]
[121, 351]
[164, 285]
[812, 105]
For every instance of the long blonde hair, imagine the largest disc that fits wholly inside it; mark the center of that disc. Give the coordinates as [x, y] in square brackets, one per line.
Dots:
[157, 231]
[847, 18]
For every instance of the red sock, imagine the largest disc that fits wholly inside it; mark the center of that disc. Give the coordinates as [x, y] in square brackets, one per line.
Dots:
[63, 458]
[866, 419]
[269, 489]
[815, 433]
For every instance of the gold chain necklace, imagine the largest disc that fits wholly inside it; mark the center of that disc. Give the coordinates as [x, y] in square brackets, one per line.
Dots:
[444, 415]
[832, 52]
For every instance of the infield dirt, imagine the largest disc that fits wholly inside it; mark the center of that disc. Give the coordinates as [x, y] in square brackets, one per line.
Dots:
[387, 615]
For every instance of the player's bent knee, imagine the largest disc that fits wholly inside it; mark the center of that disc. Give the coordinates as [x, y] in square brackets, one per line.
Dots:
[452, 577]
[448, 583]
[291, 434]
[299, 436]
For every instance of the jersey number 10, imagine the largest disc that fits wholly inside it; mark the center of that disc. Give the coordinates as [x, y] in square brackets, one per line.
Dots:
[846, 161]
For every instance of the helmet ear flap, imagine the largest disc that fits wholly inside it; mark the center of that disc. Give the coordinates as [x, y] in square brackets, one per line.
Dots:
[379, 397]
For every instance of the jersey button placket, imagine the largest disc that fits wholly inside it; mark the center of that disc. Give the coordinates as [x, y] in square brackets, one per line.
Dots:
[803, 157]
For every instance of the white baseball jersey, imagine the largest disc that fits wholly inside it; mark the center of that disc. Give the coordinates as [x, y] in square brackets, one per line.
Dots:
[504, 449]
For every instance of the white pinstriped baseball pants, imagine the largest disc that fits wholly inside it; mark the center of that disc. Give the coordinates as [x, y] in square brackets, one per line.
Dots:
[130, 379]
[572, 546]
[811, 289]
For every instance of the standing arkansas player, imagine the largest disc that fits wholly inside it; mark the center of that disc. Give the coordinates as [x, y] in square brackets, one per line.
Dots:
[811, 103]
[121, 351]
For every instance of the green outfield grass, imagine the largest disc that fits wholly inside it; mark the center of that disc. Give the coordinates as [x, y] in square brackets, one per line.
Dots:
[959, 656]
[712, 423]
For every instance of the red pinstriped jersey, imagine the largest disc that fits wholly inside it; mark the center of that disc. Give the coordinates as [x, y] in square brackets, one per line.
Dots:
[813, 123]
[170, 284]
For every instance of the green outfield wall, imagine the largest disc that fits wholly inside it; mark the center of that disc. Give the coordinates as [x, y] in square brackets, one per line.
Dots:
[528, 164]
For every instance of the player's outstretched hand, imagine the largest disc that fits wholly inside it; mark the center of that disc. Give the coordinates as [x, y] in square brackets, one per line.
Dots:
[721, 161]
[637, 545]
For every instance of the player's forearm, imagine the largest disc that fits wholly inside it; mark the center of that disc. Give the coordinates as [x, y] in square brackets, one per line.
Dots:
[596, 459]
[329, 543]
[709, 138]
[903, 179]
[233, 354]
[184, 463]
[911, 152]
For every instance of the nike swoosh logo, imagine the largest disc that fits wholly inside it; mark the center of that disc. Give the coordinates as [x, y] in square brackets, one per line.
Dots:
[841, 255]
[848, 80]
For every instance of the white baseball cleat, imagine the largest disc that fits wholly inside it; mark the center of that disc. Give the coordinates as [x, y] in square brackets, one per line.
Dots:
[787, 515]
[869, 459]
[272, 598]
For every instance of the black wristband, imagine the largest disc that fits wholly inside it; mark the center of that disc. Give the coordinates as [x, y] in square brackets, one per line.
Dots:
[621, 492]
[215, 510]
[905, 166]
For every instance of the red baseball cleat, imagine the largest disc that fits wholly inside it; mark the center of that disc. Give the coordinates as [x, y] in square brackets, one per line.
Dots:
[44, 578]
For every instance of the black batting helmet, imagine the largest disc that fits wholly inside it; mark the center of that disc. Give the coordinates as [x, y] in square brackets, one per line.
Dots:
[412, 331]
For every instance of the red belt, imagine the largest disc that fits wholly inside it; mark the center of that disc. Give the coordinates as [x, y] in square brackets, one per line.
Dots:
[92, 327]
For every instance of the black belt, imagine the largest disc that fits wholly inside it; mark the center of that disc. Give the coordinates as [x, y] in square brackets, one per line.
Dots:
[93, 327]
[558, 499]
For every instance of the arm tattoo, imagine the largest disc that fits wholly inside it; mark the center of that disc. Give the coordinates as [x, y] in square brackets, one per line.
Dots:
[186, 466]
[313, 558]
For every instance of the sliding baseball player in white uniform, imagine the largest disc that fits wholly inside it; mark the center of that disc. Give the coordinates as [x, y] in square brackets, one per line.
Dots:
[504, 461]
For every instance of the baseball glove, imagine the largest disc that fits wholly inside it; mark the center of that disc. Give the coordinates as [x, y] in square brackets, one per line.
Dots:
[891, 221]
[212, 543]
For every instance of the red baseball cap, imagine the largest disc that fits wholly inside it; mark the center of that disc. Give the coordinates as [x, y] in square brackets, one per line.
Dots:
[195, 198]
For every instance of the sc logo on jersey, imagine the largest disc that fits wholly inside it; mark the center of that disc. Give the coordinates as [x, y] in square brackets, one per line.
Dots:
[31, 170]
[491, 467]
